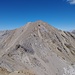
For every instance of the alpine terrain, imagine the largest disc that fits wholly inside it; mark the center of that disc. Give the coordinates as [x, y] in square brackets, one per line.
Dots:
[37, 49]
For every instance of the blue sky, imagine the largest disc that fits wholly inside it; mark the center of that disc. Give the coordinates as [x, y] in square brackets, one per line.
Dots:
[58, 13]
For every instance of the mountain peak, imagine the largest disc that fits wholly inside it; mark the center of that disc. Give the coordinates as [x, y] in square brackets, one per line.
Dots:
[40, 47]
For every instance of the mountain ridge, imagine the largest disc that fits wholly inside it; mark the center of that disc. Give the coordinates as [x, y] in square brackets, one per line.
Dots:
[39, 47]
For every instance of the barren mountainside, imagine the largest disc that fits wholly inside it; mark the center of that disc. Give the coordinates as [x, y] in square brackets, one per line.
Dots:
[73, 31]
[37, 49]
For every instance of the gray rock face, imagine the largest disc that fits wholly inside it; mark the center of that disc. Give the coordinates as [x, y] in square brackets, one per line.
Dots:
[39, 47]
[73, 31]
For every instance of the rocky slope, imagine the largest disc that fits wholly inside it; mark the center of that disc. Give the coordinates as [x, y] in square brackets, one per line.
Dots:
[73, 31]
[38, 47]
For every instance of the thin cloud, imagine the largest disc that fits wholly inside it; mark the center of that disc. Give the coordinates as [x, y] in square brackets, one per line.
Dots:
[71, 1]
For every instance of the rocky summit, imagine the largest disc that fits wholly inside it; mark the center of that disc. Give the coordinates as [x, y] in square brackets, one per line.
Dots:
[37, 49]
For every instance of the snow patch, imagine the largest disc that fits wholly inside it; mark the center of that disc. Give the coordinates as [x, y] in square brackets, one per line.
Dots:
[69, 70]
